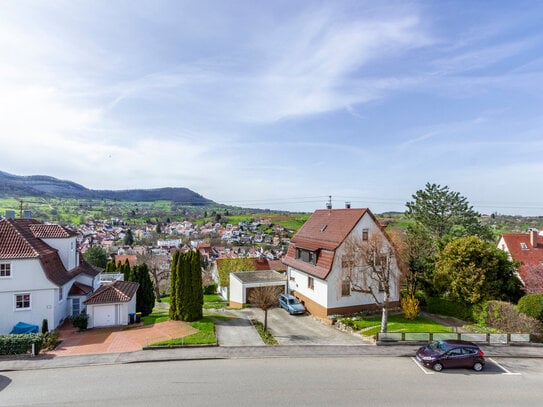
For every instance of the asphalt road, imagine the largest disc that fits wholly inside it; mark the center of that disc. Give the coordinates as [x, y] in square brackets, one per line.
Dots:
[341, 381]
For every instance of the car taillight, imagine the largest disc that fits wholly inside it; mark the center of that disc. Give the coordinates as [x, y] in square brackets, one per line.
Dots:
[481, 353]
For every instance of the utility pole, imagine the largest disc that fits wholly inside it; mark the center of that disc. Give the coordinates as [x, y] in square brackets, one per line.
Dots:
[21, 209]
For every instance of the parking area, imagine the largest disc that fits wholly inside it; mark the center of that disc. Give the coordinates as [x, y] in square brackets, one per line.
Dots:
[492, 367]
[301, 329]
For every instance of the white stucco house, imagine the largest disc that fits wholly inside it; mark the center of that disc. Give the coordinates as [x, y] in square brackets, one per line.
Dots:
[41, 274]
[315, 262]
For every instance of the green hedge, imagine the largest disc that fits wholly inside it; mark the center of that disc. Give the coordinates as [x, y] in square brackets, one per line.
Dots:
[532, 305]
[450, 308]
[21, 343]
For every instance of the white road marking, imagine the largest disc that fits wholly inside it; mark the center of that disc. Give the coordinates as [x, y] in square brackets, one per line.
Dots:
[426, 371]
[507, 372]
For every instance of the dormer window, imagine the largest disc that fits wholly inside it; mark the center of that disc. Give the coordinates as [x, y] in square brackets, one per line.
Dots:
[524, 246]
[307, 256]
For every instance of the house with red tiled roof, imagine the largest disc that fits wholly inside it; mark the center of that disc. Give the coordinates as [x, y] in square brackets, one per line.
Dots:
[526, 249]
[315, 261]
[41, 274]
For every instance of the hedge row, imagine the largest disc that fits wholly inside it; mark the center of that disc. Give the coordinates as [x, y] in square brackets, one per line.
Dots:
[18, 344]
[441, 306]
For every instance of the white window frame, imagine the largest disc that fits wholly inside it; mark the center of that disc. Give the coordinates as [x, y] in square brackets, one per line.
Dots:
[310, 283]
[60, 294]
[15, 301]
[5, 267]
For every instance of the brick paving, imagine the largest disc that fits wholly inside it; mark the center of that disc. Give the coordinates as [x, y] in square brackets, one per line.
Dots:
[118, 339]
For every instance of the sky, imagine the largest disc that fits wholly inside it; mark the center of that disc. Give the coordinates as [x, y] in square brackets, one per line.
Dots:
[279, 104]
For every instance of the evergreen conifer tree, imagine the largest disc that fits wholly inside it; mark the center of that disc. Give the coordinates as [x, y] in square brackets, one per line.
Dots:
[173, 286]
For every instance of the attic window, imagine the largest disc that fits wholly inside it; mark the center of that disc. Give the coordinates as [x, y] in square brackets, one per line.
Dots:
[523, 246]
[323, 228]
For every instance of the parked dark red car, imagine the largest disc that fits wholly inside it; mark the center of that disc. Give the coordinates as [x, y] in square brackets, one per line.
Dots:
[451, 353]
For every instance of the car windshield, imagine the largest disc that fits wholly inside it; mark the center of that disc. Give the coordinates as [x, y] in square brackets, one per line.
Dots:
[293, 301]
[439, 346]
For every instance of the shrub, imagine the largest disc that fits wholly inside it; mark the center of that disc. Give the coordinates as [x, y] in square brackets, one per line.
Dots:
[504, 317]
[51, 340]
[210, 289]
[44, 326]
[80, 321]
[450, 308]
[410, 307]
[532, 305]
[19, 344]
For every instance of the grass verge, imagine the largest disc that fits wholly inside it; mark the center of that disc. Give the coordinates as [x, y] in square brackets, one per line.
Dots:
[266, 336]
[371, 325]
[158, 315]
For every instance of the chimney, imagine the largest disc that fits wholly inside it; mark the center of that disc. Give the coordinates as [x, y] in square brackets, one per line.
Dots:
[10, 214]
[533, 237]
[27, 214]
[347, 205]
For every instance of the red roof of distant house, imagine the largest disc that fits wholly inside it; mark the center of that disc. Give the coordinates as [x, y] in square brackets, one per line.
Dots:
[121, 258]
[44, 231]
[521, 249]
[119, 291]
[323, 232]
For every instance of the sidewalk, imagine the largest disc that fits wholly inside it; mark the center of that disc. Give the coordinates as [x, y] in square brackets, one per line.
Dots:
[239, 352]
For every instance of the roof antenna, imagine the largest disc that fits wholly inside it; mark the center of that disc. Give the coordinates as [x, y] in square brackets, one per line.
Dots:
[329, 203]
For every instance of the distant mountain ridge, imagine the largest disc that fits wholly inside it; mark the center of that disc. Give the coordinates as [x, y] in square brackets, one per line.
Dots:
[46, 186]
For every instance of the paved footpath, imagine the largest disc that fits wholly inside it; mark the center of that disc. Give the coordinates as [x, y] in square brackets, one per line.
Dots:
[233, 352]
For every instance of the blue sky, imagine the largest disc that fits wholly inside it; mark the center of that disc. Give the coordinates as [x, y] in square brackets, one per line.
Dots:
[279, 104]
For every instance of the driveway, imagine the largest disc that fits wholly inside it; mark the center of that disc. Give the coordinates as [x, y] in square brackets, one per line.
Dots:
[302, 329]
[118, 339]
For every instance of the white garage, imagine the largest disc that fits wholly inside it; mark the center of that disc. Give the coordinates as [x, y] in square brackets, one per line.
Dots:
[242, 282]
[111, 304]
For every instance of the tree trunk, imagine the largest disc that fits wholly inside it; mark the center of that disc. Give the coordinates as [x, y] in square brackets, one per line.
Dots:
[384, 314]
[157, 288]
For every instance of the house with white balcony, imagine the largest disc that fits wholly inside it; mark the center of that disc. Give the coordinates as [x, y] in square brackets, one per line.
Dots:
[41, 274]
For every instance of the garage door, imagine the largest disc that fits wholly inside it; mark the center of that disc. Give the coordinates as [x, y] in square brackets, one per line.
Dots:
[105, 315]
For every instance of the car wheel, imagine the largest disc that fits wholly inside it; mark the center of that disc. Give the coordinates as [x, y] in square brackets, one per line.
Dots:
[478, 366]
[438, 367]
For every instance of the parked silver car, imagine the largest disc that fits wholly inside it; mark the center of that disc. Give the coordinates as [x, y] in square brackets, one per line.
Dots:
[291, 304]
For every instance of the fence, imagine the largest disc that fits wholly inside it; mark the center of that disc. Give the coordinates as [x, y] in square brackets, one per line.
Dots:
[490, 339]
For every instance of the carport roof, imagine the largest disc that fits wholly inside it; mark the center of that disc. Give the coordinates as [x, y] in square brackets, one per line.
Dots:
[260, 276]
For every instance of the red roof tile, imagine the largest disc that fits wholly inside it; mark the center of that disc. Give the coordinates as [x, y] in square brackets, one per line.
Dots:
[17, 241]
[119, 291]
[521, 249]
[323, 233]
[50, 231]
[80, 289]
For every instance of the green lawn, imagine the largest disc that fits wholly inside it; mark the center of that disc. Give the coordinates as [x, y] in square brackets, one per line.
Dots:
[204, 336]
[369, 326]
[158, 315]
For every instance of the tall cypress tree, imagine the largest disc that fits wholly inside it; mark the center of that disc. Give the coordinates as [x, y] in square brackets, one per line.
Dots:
[145, 299]
[197, 297]
[125, 269]
[186, 293]
[173, 286]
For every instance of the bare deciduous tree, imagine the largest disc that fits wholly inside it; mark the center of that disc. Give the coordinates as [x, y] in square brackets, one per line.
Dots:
[265, 298]
[159, 268]
[370, 267]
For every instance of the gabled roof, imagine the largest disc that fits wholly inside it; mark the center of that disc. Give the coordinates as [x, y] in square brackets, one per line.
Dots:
[79, 289]
[323, 233]
[18, 240]
[43, 231]
[118, 291]
[521, 249]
